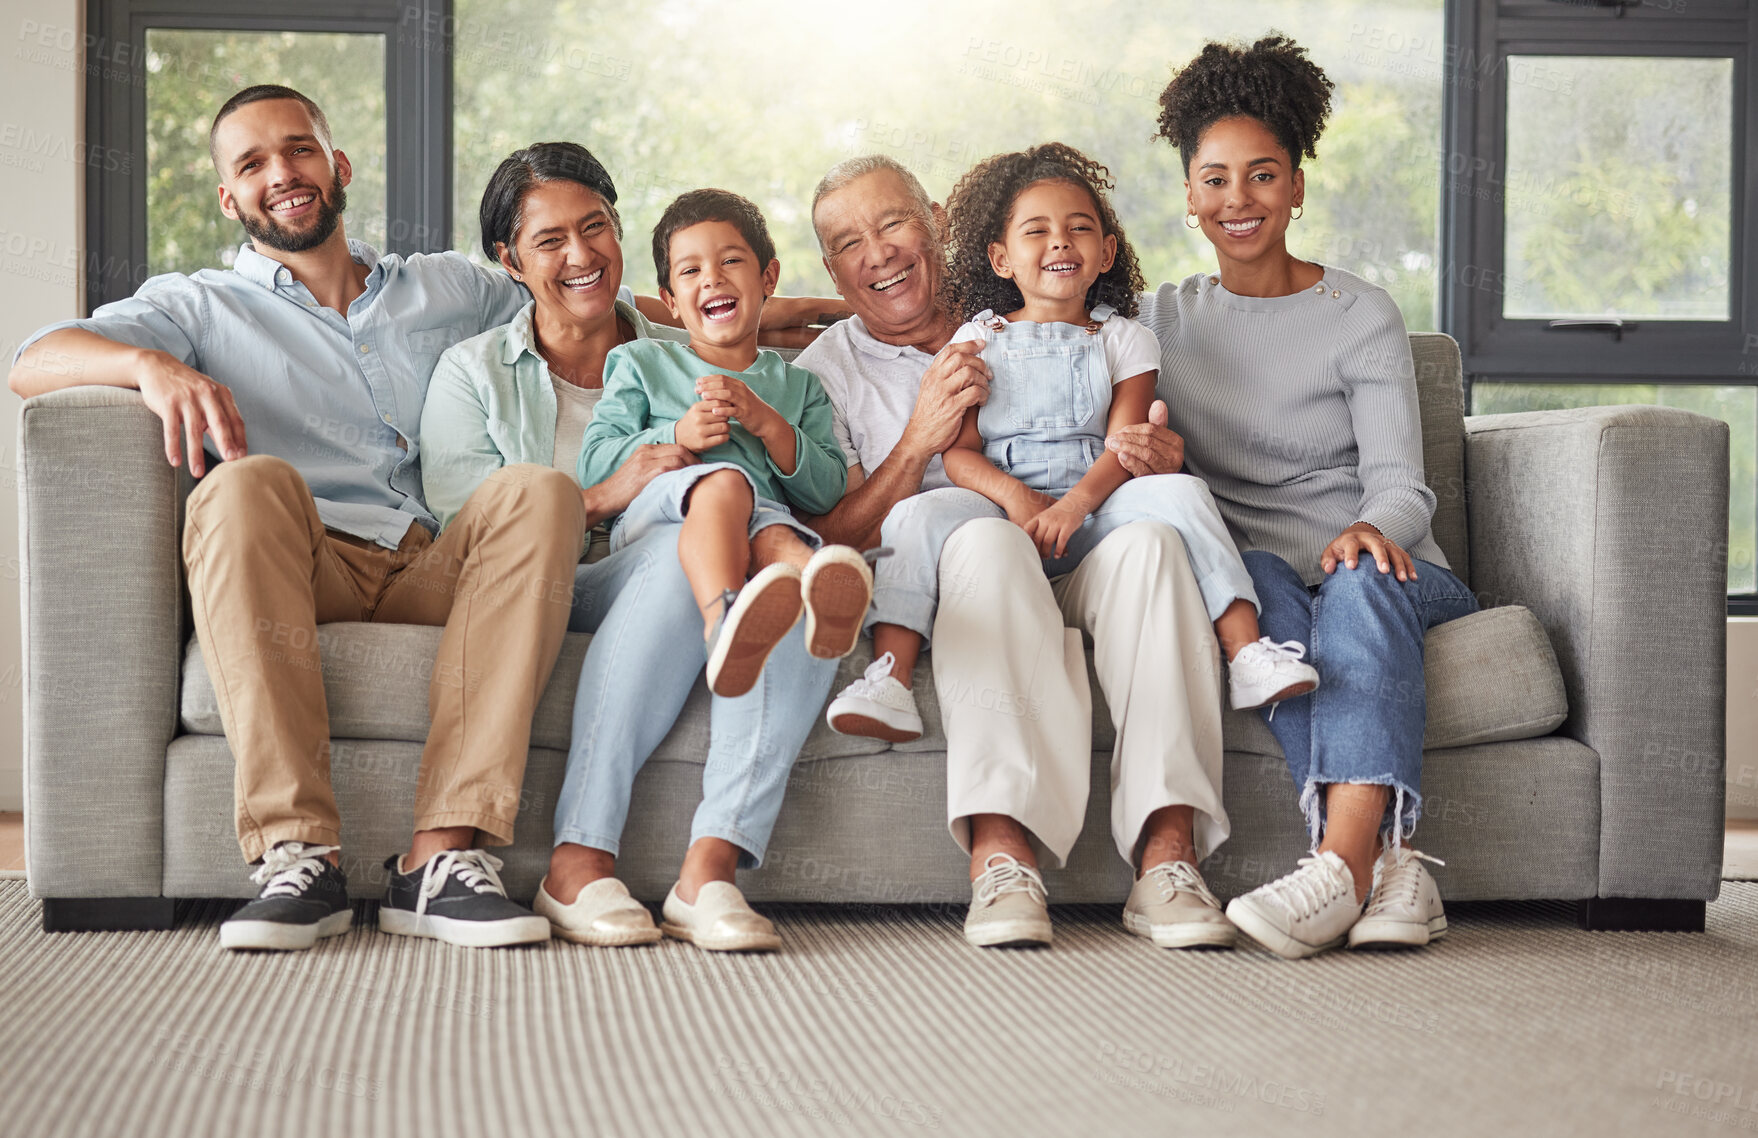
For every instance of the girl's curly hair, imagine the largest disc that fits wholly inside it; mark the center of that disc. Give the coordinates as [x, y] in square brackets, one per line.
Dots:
[977, 214]
[1272, 81]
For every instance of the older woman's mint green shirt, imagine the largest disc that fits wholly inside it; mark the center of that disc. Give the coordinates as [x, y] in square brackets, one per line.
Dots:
[489, 405]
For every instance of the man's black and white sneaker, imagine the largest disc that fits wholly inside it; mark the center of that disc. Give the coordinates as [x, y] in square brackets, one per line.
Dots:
[303, 898]
[457, 897]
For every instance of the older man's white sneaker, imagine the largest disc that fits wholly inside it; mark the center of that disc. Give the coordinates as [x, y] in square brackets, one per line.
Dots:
[1404, 910]
[1171, 905]
[1302, 914]
[1008, 905]
[1265, 672]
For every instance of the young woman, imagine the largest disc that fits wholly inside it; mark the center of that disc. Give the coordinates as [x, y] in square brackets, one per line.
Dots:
[1331, 505]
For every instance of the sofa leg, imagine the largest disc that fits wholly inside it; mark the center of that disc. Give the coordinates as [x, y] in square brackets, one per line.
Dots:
[1640, 914]
[107, 914]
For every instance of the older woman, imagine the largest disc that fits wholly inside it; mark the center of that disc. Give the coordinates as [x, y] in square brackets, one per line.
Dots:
[1331, 511]
[525, 392]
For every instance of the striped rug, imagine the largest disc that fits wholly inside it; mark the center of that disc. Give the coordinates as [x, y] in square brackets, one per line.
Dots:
[882, 1021]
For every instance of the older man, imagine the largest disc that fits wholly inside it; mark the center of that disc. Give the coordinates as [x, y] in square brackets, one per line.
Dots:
[1005, 636]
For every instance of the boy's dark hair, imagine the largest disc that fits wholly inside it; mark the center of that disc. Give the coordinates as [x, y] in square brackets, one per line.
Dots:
[502, 212]
[977, 214]
[698, 206]
[257, 94]
[1272, 81]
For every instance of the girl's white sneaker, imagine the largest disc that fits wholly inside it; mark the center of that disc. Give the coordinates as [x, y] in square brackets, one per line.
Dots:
[1265, 672]
[876, 706]
[1303, 913]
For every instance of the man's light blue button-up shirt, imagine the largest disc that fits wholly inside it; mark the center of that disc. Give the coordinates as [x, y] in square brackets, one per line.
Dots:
[338, 397]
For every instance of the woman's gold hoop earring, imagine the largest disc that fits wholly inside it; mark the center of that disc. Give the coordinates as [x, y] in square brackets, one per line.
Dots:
[1300, 209]
[1187, 223]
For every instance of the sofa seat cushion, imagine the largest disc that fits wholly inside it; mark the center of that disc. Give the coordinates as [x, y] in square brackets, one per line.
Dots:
[1491, 677]
[376, 679]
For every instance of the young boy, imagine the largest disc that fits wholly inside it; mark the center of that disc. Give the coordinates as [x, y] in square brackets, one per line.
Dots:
[762, 429]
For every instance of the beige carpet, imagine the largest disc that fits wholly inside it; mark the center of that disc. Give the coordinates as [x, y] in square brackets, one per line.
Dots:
[884, 1022]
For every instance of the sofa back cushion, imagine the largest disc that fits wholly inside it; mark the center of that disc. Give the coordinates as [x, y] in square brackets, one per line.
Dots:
[1440, 390]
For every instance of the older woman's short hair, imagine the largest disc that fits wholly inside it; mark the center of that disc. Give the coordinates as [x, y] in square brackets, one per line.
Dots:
[503, 199]
[851, 170]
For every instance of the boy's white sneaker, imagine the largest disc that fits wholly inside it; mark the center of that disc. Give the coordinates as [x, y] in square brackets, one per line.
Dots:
[1303, 913]
[837, 586]
[1265, 672]
[876, 706]
[1405, 908]
[752, 622]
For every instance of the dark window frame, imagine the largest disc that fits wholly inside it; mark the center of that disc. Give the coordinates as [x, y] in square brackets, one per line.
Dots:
[418, 109]
[1481, 37]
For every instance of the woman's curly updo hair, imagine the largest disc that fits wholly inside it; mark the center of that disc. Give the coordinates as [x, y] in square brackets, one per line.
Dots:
[1272, 81]
[977, 214]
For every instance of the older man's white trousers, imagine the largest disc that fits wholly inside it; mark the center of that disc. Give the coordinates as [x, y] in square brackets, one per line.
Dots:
[1010, 671]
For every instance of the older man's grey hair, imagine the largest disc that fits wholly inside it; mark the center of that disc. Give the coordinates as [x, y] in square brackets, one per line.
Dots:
[851, 170]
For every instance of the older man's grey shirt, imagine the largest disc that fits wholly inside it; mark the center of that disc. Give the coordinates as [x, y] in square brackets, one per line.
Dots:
[1298, 411]
[872, 387]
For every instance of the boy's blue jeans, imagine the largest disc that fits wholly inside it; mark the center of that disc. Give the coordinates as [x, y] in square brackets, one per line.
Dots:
[1363, 631]
[645, 656]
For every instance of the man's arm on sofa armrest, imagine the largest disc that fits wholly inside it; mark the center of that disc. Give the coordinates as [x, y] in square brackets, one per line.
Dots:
[1610, 524]
[100, 527]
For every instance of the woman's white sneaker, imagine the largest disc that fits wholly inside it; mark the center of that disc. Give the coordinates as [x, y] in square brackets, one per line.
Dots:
[1265, 672]
[876, 706]
[1405, 908]
[602, 913]
[719, 921]
[1303, 913]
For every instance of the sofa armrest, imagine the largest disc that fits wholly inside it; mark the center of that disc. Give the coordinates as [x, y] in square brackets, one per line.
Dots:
[100, 525]
[1610, 524]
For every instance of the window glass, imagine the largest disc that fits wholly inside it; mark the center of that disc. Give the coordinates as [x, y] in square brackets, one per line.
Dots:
[1735, 406]
[190, 74]
[763, 98]
[1616, 198]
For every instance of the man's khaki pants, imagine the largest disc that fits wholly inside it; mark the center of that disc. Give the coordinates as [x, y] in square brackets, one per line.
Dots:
[1012, 679]
[264, 573]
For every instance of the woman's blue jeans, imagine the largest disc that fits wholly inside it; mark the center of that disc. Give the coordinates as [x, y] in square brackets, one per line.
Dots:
[645, 656]
[1363, 631]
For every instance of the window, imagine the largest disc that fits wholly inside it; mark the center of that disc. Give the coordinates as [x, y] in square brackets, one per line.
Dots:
[1635, 151]
[158, 71]
[190, 73]
[763, 100]
[1597, 199]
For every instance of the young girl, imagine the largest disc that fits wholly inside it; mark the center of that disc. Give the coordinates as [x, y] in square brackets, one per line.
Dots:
[1034, 237]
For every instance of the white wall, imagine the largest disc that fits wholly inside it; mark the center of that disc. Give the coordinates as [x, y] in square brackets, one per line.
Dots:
[41, 237]
[42, 189]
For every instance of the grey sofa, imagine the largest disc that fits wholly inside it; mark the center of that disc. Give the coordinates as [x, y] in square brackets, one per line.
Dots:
[1574, 746]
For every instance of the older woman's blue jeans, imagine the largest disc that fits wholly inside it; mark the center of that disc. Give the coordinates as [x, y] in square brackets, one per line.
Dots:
[1363, 631]
[645, 656]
